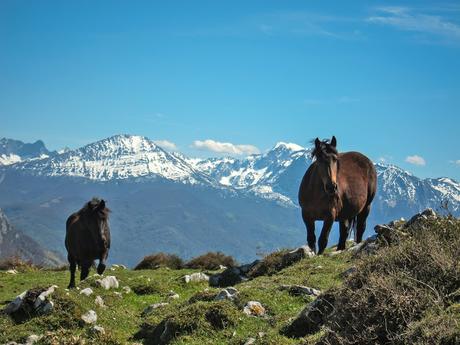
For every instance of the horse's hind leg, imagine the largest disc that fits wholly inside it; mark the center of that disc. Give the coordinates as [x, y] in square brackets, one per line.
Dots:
[361, 223]
[344, 230]
[322, 242]
[73, 268]
[85, 266]
[310, 224]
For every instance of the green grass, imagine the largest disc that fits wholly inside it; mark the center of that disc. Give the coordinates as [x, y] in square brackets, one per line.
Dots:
[122, 317]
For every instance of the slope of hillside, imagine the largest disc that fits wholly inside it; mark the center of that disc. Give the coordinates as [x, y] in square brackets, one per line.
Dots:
[13, 243]
[414, 299]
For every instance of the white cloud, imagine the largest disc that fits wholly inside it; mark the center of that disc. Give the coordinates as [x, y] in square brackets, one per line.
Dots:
[416, 160]
[456, 162]
[165, 144]
[406, 19]
[219, 147]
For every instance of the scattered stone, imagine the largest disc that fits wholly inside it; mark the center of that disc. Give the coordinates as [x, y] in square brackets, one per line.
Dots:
[43, 296]
[250, 341]
[196, 277]
[229, 277]
[99, 302]
[32, 339]
[229, 293]
[46, 307]
[254, 308]
[335, 252]
[222, 267]
[97, 330]
[118, 294]
[244, 269]
[12, 271]
[311, 318]
[151, 308]
[426, 214]
[297, 290]
[349, 272]
[300, 253]
[108, 282]
[126, 289]
[123, 267]
[89, 317]
[87, 292]
[261, 334]
[115, 266]
[15, 304]
[173, 295]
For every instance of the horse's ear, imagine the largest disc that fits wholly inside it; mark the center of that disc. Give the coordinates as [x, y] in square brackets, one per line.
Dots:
[317, 144]
[333, 141]
[101, 204]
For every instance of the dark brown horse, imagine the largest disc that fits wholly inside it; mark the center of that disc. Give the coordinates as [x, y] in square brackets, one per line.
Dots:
[336, 187]
[87, 238]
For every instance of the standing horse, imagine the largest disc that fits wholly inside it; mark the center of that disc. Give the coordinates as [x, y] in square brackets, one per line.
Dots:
[87, 238]
[336, 187]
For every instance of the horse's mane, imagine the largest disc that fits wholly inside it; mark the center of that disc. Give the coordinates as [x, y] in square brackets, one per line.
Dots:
[324, 150]
[93, 204]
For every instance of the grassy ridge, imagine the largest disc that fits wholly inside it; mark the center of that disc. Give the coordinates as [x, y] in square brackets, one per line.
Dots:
[122, 317]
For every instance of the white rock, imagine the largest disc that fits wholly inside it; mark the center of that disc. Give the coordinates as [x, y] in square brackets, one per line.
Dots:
[15, 304]
[115, 266]
[250, 341]
[43, 296]
[254, 308]
[126, 289]
[99, 302]
[229, 293]
[123, 267]
[152, 307]
[32, 339]
[118, 294]
[12, 271]
[98, 330]
[87, 292]
[173, 295]
[222, 267]
[108, 282]
[89, 317]
[196, 277]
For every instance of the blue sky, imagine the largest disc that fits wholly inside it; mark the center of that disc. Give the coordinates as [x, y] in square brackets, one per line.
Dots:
[384, 77]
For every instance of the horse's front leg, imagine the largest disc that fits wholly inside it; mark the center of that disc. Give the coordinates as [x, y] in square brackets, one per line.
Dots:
[322, 242]
[102, 258]
[344, 229]
[310, 225]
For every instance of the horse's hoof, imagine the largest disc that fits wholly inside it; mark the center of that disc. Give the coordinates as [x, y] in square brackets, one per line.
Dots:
[71, 286]
[100, 268]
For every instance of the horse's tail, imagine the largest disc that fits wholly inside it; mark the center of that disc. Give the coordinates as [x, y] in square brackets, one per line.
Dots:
[352, 226]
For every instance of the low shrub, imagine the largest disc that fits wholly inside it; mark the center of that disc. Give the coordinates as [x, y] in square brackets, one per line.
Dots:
[158, 260]
[211, 261]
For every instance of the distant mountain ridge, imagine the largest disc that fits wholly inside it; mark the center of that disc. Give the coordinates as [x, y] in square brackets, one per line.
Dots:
[166, 201]
[13, 243]
[14, 151]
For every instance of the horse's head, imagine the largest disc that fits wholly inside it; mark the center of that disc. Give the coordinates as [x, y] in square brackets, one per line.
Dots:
[326, 156]
[98, 220]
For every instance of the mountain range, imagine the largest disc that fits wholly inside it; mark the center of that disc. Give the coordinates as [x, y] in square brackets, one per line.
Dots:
[165, 201]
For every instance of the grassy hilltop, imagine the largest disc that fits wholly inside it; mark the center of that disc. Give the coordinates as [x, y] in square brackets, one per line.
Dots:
[407, 290]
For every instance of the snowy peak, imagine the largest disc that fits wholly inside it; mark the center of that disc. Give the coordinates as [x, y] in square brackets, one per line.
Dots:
[117, 157]
[14, 151]
[288, 146]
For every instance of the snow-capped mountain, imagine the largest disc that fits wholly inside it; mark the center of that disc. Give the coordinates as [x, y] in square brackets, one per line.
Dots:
[14, 151]
[165, 201]
[115, 158]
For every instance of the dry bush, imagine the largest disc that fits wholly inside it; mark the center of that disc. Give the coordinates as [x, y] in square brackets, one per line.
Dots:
[270, 264]
[211, 261]
[390, 297]
[160, 260]
[17, 263]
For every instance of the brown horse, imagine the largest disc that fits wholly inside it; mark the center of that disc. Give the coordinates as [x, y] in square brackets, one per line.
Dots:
[336, 187]
[87, 238]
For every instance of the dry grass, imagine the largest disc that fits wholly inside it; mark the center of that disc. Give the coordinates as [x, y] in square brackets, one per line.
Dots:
[396, 294]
